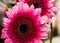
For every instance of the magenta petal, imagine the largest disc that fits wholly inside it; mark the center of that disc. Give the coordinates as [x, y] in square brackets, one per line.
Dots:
[45, 29]
[6, 22]
[44, 19]
[4, 35]
[8, 40]
[37, 41]
[37, 11]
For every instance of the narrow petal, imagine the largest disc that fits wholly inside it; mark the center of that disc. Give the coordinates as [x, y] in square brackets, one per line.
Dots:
[45, 29]
[25, 7]
[5, 22]
[49, 5]
[9, 13]
[43, 35]
[44, 19]
[54, 9]
[4, 33]
[31, 9]
[14, 10]
[8, 40]
[37, 41]
[22, 0]
[51, 0]
[37, 11]
[20, 6]
[52, 14]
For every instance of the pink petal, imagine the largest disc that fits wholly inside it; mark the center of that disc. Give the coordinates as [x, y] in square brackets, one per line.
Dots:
[20, 6]
[51, 0]
[44, 19]
[8, 40]
[45, 29]
[37, 11]
[31, 9]
[9, 13]
[5, 22]
[37, 41]
[4, 33]
[43, 35]
[54, 9]
[25, 7]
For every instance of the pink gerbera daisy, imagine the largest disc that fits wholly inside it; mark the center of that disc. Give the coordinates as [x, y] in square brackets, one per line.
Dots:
[47, 6]
[24, 25]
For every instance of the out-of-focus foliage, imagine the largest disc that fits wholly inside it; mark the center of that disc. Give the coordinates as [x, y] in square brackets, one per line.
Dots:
[8, 1]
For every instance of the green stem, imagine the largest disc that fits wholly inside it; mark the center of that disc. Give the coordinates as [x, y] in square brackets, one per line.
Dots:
[51, 33]
[43, 41]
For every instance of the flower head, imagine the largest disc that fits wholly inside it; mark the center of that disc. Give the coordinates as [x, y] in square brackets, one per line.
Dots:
[24, 25]
[47, 6]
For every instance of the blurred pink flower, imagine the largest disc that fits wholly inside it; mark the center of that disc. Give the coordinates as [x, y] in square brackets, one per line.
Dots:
[47, 7]
[24, 25]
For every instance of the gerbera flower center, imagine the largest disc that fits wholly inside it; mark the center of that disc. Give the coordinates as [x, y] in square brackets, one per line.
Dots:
[23, 28]
[35, 5]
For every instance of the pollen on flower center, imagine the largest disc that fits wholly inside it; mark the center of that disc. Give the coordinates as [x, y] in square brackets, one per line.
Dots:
[23, 28]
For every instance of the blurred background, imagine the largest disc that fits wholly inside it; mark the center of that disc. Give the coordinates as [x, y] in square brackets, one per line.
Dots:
[5, 4]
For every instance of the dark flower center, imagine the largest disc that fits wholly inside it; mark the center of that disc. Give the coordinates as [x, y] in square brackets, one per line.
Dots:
[23, 28]
[35, 5]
